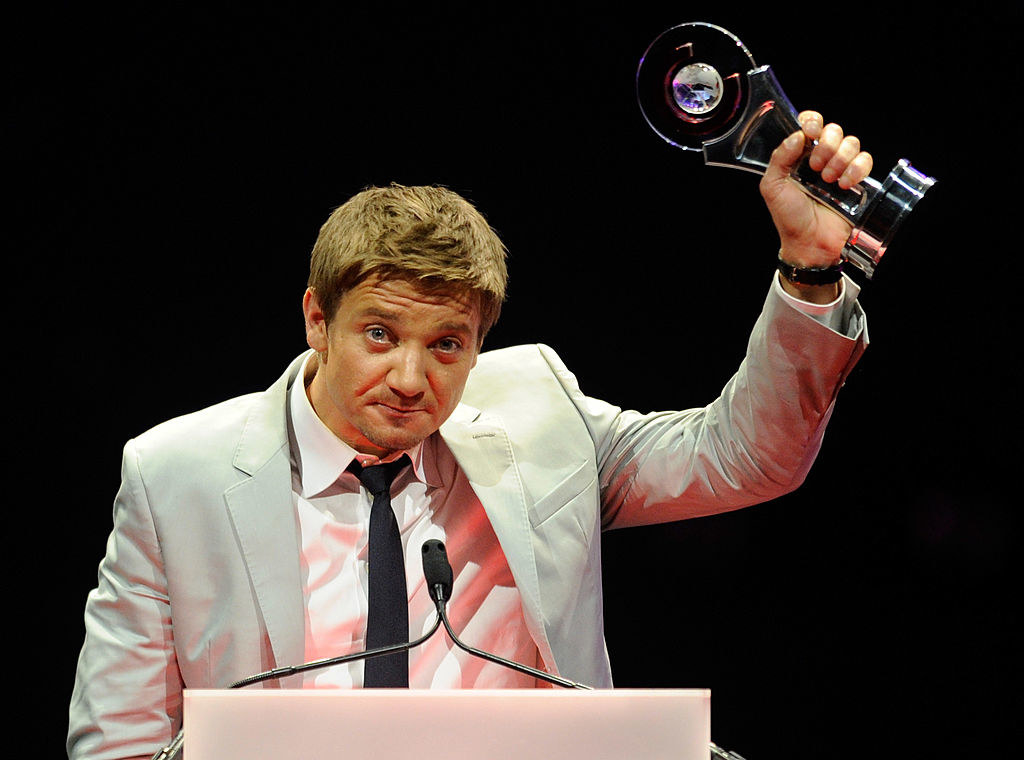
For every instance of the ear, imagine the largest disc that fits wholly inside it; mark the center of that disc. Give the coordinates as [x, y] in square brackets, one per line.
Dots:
[316, 322]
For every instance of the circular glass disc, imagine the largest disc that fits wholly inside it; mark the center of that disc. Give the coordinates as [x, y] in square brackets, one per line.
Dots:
[697, 88]
[691, 83]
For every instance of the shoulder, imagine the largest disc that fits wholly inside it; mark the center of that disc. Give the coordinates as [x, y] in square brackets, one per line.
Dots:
[255, 422]
[529, 383]
[517, 370]
[191, 430]
[524, 361]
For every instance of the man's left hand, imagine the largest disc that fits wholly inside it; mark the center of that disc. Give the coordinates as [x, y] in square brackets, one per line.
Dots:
[811, 235]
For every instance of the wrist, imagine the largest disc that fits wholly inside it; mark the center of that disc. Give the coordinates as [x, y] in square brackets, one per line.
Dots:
[816, 294]
[802, 274]
[815, 284]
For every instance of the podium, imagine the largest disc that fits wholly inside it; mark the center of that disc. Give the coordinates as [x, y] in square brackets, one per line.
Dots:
[501, 724]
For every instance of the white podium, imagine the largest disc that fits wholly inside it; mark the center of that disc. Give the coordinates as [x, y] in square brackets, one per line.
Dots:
[513, 724]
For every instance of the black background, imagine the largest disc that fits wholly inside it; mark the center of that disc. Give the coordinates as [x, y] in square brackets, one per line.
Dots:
[169, 167]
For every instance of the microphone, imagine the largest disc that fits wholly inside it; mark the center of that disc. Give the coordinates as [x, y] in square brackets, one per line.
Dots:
[438, 572]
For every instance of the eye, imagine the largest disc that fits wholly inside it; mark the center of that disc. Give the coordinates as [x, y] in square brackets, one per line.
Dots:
[449, 345]
[376, 334]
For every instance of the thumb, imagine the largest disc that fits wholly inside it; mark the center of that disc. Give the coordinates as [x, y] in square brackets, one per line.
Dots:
[782, 162]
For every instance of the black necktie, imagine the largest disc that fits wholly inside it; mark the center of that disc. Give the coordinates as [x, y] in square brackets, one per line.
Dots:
[387, 620]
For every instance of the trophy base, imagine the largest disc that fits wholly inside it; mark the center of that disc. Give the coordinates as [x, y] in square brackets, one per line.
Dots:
[875, 226]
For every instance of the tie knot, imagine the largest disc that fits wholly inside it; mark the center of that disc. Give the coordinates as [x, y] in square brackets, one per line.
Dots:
[377, 478]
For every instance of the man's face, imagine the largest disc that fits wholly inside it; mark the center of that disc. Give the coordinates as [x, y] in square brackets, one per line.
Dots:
[397, 360]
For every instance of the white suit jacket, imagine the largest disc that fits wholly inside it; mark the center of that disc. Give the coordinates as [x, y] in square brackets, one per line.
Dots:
[200, 585]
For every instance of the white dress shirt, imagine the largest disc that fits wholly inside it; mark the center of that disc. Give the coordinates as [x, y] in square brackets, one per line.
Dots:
[835, 315]
[432, 499]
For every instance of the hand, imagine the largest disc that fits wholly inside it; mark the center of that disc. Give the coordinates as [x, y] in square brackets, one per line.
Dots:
[810, 235]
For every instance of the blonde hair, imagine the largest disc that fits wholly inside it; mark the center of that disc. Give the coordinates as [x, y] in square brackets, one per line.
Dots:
[427, 234]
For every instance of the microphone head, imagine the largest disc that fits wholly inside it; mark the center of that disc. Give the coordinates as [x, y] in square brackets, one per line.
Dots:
[437, 570]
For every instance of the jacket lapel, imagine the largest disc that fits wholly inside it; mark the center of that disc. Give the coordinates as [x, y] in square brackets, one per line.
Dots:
[481, 446]
[262, 511]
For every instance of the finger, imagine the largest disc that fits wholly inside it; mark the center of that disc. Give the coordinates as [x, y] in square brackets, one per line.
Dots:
[829, 140]
[848, 149]
[811, 122]
[856, 171]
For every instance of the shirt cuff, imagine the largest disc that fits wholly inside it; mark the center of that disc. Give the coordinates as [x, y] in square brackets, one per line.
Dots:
[833, 315]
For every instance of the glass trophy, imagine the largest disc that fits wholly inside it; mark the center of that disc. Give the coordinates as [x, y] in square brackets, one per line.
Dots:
[700, 89]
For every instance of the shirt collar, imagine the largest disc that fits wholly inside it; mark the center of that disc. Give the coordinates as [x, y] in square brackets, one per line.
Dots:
[324, 456]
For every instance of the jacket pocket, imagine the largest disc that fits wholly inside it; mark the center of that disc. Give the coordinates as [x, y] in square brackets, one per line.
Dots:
[571, 487]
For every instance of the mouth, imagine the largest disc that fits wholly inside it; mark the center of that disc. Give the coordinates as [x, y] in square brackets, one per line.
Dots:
[402, 412]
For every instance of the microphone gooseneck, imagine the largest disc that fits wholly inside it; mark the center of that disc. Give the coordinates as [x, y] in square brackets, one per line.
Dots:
[290, 670]
[174, 748]
[438, 572]
[171, 750]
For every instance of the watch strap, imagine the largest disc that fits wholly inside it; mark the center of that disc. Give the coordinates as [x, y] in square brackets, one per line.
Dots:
[810, 275]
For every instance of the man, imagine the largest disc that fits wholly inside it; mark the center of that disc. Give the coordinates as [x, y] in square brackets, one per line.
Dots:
[240, 535]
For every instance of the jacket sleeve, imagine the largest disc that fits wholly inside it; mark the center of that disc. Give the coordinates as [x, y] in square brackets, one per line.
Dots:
[127, 682]
[755, 442]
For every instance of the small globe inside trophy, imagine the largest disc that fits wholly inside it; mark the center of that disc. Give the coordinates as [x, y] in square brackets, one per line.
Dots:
[700, 89]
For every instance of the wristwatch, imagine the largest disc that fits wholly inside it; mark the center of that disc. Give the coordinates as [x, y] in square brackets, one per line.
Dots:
[810, 275]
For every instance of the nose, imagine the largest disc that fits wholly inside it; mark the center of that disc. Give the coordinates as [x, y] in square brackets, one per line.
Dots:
[407, 377]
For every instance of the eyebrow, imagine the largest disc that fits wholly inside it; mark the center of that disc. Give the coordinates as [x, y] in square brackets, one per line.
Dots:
[379, 313]
[396, 316]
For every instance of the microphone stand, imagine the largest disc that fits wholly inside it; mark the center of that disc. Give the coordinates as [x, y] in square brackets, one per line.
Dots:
[291, 670]
[171, 750]
[438, 573]
[721, 754]
[558, 681]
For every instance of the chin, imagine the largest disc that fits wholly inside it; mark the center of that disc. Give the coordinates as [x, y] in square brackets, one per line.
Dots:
[395, 440]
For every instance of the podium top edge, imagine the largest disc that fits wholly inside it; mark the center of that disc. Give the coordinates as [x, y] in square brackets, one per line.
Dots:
[449, 693]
